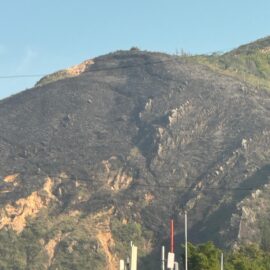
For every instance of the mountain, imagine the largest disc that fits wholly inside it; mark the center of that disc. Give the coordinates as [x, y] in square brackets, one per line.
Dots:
[106, 152]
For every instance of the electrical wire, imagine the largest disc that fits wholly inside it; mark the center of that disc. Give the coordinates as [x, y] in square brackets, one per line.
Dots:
[157, 186]
[89, 71]
[140, 184]
[170, 186]
[22, 76]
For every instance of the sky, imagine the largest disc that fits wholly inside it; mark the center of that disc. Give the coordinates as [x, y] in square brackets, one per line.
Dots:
[40, 37]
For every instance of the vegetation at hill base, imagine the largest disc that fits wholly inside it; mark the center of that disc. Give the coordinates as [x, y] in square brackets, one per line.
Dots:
[31, 249]
[207, 257]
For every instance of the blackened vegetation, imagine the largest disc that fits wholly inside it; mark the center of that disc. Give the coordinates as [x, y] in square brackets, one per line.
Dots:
[146, 134]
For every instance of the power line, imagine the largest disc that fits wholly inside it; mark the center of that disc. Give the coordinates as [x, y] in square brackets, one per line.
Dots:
[89, 71]
[158, 186]
[22, 76]
[140, 184]
[198, 189]
[175, 187]
[169, 186]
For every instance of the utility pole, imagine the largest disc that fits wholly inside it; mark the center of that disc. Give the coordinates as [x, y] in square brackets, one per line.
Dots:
[221, 262]
[186, 252]
[172, 236]
[134, 254]
[171, 256]
[127, 264]
[163, 258]
[122, 265]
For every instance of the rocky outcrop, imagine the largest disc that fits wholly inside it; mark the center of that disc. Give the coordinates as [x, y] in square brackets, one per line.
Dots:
[15, 214]
[66, 73]
[50, 248]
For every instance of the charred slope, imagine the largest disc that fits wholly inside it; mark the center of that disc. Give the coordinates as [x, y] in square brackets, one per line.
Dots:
[125, 143]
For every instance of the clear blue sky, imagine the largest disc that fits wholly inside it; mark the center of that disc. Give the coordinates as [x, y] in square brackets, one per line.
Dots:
[40, 37]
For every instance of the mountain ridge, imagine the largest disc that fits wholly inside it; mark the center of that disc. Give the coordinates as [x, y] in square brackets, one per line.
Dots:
[127, 143]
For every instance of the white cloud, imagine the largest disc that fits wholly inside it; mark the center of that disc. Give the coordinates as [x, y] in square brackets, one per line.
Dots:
[27, 60]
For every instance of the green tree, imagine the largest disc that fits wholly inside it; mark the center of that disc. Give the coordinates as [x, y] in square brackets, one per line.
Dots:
[203, 257]
[249, 257]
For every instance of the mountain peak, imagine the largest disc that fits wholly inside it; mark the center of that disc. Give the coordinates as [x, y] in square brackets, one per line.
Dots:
[118, 59]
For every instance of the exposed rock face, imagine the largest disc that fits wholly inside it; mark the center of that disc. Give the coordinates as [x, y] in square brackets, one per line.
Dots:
[15, 214]
[66, 73]
[50, 248]
[144, 134]
[106, 240]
